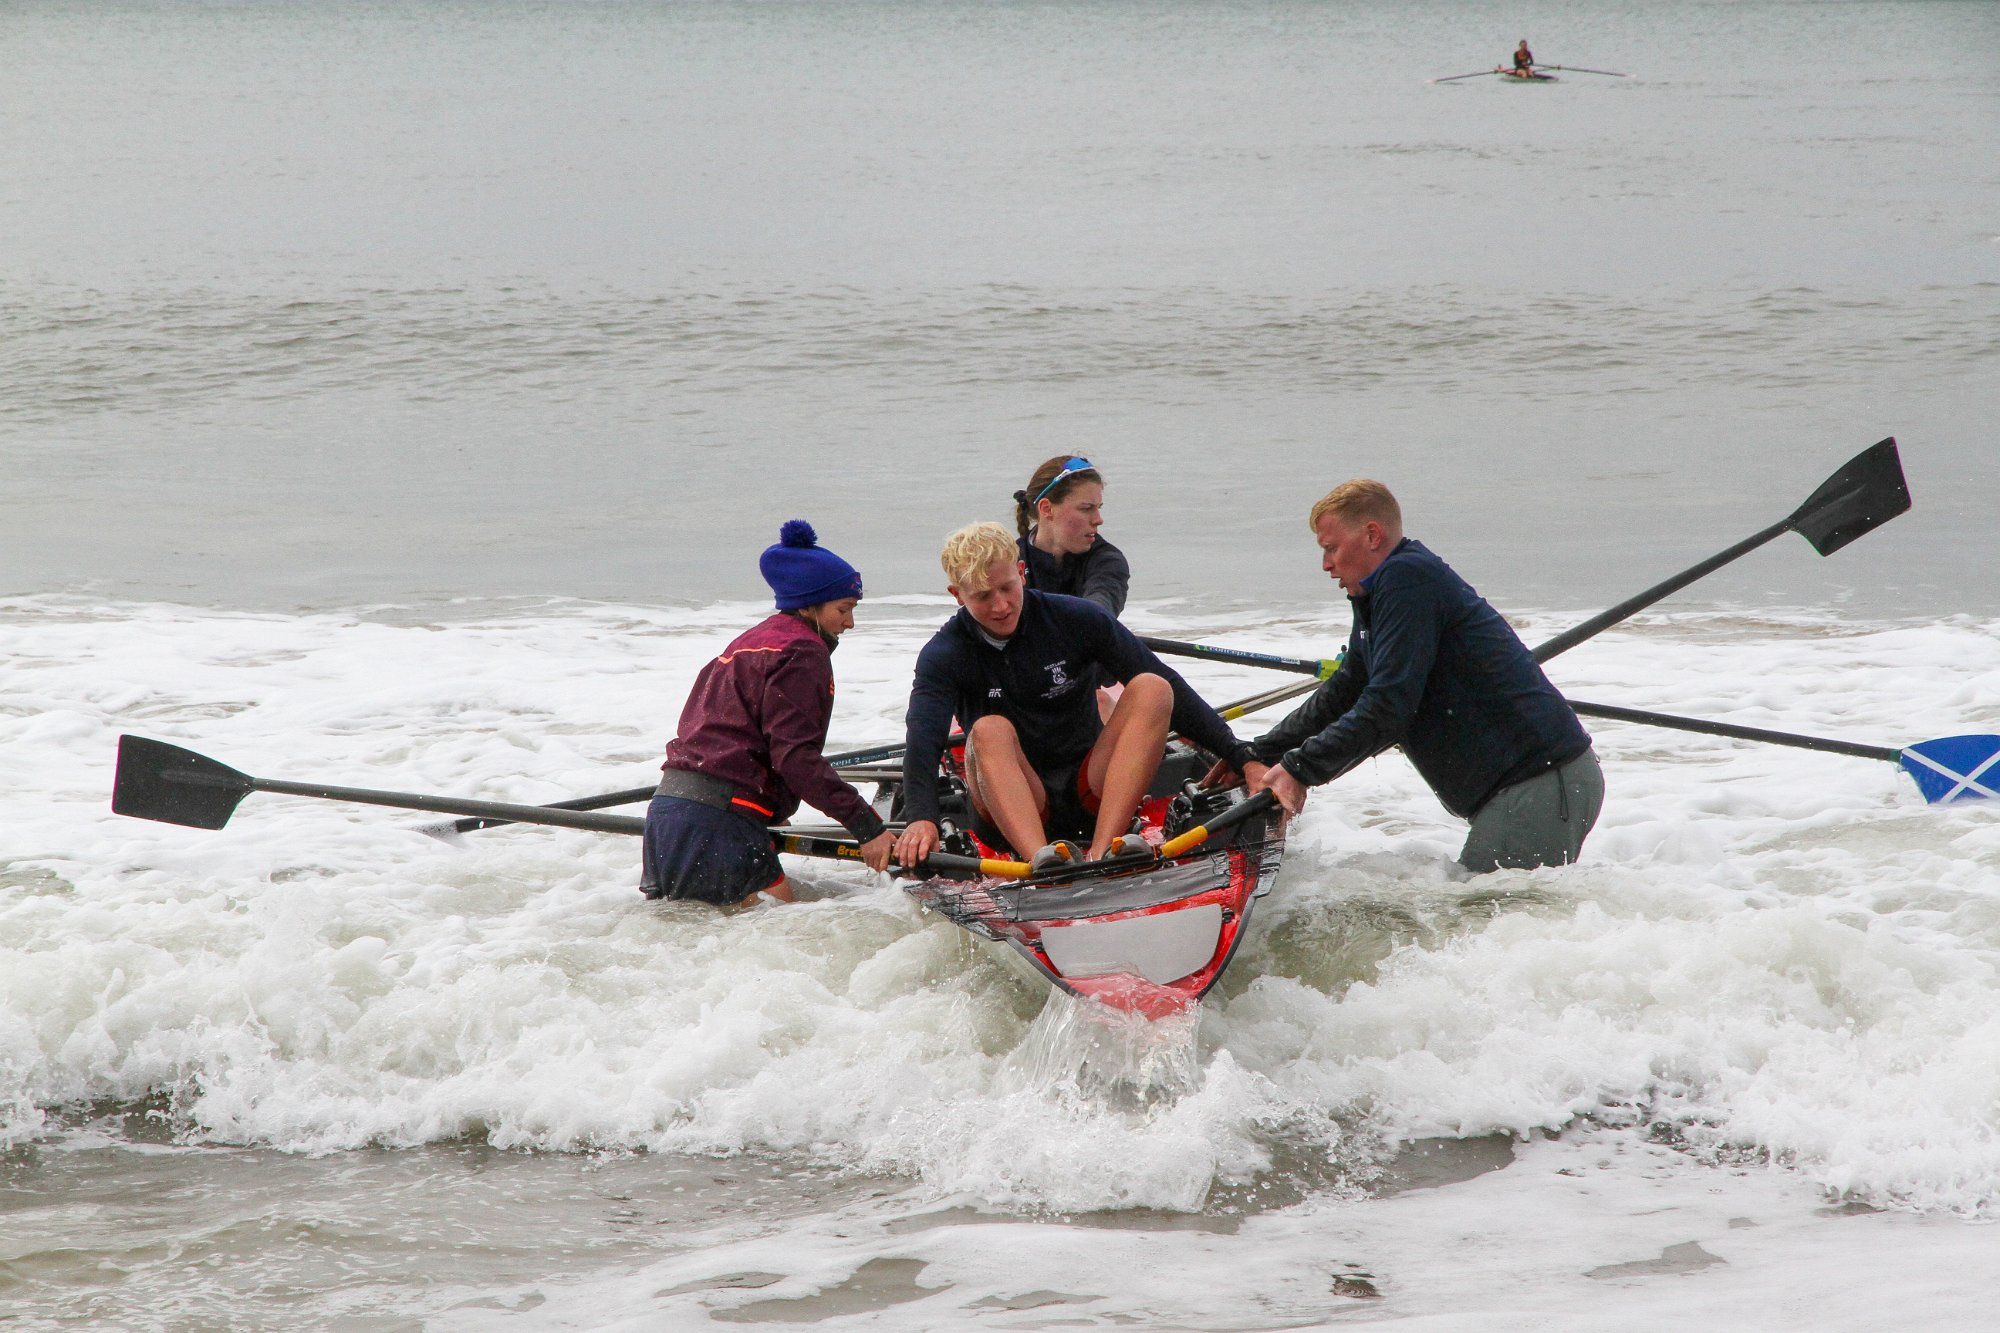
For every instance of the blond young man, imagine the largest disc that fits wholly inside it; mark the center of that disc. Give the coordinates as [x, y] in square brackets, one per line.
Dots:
[1017, 669]
[1430, 666]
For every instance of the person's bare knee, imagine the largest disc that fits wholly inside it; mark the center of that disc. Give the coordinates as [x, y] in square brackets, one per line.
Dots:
[1149, 693]
[990, 731]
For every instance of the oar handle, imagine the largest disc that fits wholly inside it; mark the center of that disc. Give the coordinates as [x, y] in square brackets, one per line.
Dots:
[1201, 833]
[943, 863]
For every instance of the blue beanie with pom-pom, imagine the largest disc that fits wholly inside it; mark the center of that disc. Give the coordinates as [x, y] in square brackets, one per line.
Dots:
[802, 572]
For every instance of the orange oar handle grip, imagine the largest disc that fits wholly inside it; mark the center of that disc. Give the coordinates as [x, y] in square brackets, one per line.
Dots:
[1229, 818]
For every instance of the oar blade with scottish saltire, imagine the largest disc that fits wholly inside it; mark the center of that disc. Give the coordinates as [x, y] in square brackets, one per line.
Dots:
[1955, 768]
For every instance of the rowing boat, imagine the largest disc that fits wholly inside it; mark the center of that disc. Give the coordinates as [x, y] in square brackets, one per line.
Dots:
[1151, 941]
[1534, 76]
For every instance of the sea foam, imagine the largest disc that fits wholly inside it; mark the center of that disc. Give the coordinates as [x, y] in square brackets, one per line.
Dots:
[1766, 955]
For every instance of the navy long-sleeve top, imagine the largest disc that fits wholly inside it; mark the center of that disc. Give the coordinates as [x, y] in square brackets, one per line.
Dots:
[1042, 680]
[1098, 574]
[1430, 666]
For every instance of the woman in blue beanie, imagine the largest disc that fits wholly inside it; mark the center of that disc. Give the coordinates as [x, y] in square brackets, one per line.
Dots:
[749, 747]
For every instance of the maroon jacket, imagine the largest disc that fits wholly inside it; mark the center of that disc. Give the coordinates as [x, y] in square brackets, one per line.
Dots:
[757, 717]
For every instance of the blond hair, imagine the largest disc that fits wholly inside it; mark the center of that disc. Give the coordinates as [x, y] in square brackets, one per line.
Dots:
[1359, 501]
[971, 552]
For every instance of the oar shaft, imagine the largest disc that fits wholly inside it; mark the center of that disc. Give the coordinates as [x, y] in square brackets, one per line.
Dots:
[881, 774]
[630, 796]
[1631, 606]
[1242, 657]
[633, 795]
[1257, 702]
[1735, 732]
[447, 805]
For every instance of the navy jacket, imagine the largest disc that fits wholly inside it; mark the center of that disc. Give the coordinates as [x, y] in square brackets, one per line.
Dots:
[1042, 682]
[1100, 574]
[1430, 667]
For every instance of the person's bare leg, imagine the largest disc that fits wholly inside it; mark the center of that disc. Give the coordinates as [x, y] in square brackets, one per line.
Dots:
[781, 891]
[1005, 788]
[1122, 763]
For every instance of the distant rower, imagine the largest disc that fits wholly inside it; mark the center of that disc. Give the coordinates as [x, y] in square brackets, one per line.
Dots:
[1524, 60]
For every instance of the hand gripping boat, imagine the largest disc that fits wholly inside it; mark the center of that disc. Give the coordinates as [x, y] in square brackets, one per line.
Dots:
[1153, 940]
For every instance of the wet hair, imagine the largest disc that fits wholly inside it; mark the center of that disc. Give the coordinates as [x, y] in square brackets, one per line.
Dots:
[1359, 501]
[1050, 478]
[973, 550]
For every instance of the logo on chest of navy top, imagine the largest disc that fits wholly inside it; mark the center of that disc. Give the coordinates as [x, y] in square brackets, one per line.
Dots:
[1060, 681]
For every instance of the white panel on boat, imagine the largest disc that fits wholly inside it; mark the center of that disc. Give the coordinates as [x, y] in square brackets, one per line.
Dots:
[1161, 947]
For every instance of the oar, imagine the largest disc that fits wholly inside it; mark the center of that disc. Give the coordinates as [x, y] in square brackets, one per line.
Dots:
[943, 863]
[1229, 714]
[855, 757]
[1236, 814]
[1456, 77]
[1578, 69]
[1319, 667]
[633, 795]
[1948, 768]
[1258, 702]
[176, 786]
[1866, 493]
[164, 782]
[846, 760]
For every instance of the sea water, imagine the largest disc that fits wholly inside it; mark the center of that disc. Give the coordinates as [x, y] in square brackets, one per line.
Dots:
[397, 395]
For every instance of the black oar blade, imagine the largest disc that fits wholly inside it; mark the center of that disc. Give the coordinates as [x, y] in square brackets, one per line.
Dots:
[1856, 500]
[175, 786]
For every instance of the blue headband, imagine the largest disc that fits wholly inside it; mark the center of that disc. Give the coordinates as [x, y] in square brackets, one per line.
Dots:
[1073, 465]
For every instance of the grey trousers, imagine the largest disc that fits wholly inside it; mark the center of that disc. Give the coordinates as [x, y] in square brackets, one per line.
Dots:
[1540, 822]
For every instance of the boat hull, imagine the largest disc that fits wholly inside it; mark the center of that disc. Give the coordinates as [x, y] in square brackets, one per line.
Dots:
[1152, 941]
